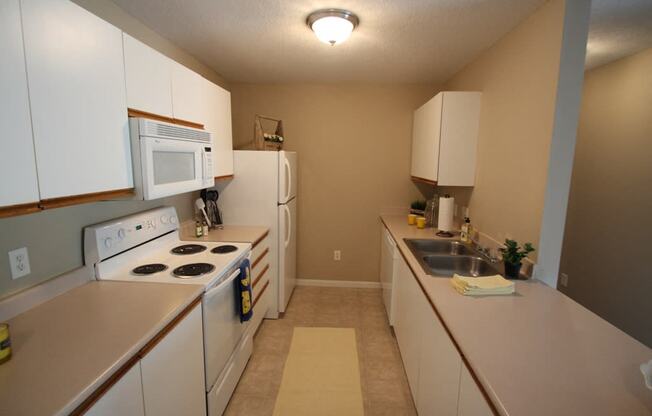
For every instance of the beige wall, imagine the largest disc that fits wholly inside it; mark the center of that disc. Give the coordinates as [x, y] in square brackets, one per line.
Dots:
[53, 237]
[134, 27]
[518, 79]
[607, 241]
[354, 159]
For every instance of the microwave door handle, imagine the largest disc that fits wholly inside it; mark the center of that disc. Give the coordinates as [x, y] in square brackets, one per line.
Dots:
[222, 284]
[204, 165]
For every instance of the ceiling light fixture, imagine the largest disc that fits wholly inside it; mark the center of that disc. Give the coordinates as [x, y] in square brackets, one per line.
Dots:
[332, 26]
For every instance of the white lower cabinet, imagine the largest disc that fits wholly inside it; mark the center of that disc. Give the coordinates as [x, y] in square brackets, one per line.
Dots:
[168, 380]
[440, 383]
[125, 398]
[173, 371]
[471, 401]
[439, 369]
[409, 319]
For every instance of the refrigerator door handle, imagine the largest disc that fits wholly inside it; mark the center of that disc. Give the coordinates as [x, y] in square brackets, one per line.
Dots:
[288, 179]
[288, 224]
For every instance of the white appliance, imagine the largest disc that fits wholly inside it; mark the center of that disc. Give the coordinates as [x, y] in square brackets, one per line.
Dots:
[169, 159]
[145, 247]
[389, 261]
[264, 192]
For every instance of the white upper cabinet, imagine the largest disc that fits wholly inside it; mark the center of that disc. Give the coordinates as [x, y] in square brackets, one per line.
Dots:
[445, 139]
[187, 96]
[218, 123]
[76, 79]
[18, 181]
[149, 78]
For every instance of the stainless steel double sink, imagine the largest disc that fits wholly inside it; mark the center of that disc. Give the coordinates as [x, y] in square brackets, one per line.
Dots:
[444, 258]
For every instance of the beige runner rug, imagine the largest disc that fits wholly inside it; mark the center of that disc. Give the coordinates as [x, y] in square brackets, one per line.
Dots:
[321, 374]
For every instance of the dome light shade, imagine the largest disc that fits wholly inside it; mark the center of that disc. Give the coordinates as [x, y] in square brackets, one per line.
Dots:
[332, 26]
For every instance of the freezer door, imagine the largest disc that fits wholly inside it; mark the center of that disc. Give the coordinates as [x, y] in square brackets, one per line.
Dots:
[287, 176]
[287, 250]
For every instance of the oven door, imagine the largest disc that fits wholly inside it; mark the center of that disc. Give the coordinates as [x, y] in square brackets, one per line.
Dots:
[171, 167]
[222, 326]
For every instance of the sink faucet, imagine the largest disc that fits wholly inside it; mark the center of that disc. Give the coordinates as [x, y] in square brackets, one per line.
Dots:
[487, 253]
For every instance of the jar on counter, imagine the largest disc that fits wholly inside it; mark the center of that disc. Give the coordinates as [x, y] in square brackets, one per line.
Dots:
[5, 343]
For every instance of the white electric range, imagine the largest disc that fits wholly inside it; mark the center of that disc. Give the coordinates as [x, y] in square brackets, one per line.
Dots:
[146, 247]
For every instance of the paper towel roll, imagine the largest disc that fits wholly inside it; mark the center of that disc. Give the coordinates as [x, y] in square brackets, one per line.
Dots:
[446, 208]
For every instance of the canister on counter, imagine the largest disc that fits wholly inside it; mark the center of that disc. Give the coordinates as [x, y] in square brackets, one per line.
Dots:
[5, 343]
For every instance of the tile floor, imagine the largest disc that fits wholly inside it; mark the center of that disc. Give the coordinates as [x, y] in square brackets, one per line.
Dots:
[384, 385]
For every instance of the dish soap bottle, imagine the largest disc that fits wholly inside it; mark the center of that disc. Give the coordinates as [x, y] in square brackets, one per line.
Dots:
[467, 231]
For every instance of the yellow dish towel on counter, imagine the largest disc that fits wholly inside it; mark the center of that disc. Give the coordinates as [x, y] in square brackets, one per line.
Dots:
[482, 286]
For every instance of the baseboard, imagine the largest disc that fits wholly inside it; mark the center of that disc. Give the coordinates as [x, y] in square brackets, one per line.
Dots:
[339, 283]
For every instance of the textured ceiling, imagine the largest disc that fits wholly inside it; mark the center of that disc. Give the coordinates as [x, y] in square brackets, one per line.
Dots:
[397, 41]
[618, 28]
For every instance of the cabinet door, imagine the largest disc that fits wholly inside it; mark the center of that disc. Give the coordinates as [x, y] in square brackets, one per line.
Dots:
[218, 123]
[459, 138]
[75, 70]
[124, 398]
[425, 139]
[408, 324]
[18, 183]
[471, 401]
[149, 78]
[188, 99]
[439, 369]
[173, 371]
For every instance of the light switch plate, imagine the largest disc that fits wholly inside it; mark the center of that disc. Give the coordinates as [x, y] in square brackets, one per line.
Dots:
[563, 279]
[19, 263]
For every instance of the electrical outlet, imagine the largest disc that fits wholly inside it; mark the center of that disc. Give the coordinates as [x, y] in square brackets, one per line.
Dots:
[337, 255]
[19, 262]
[563, 279]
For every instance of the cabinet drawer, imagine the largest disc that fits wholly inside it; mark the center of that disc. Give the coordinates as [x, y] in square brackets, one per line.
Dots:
[259, 246]
[258, 262]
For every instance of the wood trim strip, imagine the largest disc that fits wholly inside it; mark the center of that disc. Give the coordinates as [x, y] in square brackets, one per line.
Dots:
[132, 112]
[260, 257]
[424, 180]
[19, 209]
[115, 377]
[84, 198]
[448, 332]
[261, 238]
[217, 178]
[260, 293]
[260, 276]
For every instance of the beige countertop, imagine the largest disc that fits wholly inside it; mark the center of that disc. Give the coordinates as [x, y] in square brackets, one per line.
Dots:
[537, 352]
[230, 233]
[64, 349]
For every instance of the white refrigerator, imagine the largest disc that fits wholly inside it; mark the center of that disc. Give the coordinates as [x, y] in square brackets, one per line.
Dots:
[263, 192]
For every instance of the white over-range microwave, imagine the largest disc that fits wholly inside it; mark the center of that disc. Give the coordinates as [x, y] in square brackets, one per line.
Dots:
[169, 159]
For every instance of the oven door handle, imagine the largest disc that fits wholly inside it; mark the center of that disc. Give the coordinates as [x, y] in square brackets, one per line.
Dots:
[222, 284]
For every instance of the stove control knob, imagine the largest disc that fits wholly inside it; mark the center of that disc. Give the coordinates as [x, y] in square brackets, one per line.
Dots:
[173, 219]
[121, 233]
[164, 219]
[108, 242]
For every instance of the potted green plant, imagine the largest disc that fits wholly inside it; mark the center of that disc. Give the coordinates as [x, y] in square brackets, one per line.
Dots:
[513, 256]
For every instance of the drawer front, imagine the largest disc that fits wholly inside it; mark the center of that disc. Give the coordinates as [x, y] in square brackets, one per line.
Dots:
[261, 304]
[258, 248]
